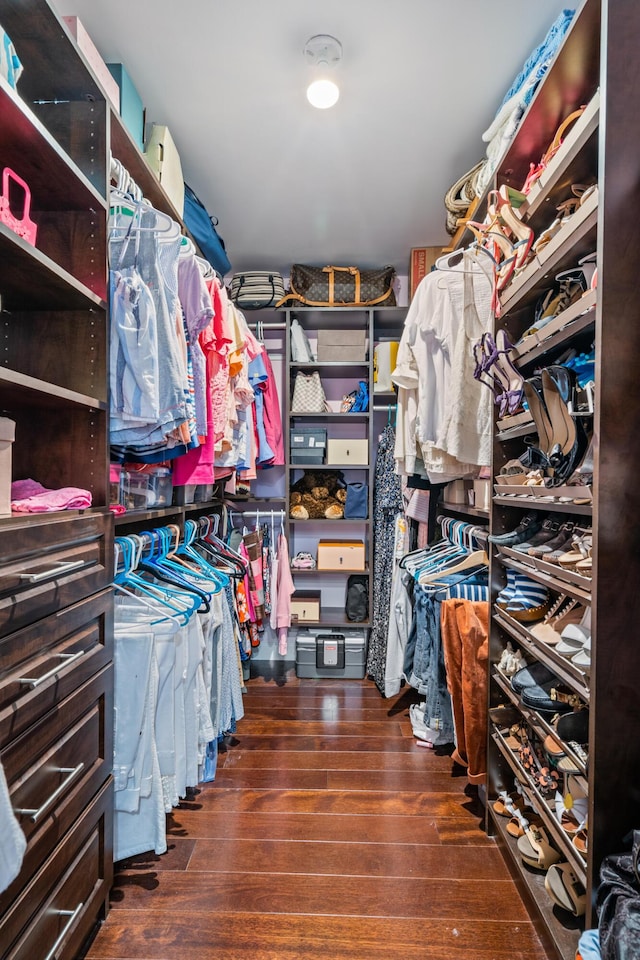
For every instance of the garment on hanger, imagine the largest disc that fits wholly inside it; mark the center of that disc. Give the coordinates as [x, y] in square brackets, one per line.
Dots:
[442, 409]
[387, 505]
[12, 840]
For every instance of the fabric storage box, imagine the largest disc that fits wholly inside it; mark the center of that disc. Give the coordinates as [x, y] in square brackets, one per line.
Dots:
[348, 451]
[329, 653]
[341, 555]
[307, 438]
[305, 606]
[131, 106]
[95, 61]
[307, 455]
[7, 437]
[342, 345]
[162, 156]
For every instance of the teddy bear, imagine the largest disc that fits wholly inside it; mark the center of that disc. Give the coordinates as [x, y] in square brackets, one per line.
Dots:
[317, 495]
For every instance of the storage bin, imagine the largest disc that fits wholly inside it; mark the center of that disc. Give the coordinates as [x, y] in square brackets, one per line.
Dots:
[307, 438]
[455, 492]
[341, 555]
[131, 106]
[7, 437]
[342, 345]
[482, 494]
[313, 457]
[140, 490]
[162, 156]
[348, 451]
[305, 606]
[329, 653]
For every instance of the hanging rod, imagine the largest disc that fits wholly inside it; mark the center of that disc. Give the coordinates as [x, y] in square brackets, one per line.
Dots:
[259, 513]
[281, 325]
[384, 406]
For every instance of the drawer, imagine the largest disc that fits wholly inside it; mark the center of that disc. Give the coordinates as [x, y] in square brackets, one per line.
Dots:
[55, 913]
[56, 767]
[43, 663]
[46, 564]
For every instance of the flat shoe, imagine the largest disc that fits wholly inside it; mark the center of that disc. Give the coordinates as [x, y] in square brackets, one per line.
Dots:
[565, 889]
[535, 849]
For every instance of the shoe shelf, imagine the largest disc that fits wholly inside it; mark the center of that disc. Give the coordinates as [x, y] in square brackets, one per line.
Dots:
[564, 935]
[560, 839]
[548, 567]
[576, 240]
[513, 433]
[574, 143]
[464, 510]
[527, 501]
[538, 724]
[306, 572]
[564, 669]
[559, 584]
[579, 317]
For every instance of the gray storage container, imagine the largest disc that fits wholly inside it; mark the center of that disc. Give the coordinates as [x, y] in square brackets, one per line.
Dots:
[305, 438]
[308, 455]
[333, 653]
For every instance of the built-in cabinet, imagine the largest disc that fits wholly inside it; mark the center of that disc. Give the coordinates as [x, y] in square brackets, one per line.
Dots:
[355, 460]
[602, 147]
[56, 702]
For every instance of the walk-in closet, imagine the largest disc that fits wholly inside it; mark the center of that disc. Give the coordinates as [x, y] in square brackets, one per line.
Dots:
[318, 456]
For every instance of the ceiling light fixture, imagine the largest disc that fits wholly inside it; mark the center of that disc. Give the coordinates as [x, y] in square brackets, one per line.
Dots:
[323, 53]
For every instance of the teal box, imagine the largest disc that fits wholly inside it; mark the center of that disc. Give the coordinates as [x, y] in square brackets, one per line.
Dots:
[131, 107]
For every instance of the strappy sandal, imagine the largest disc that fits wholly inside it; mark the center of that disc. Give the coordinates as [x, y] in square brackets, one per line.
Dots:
[536, 169]
[535, 849]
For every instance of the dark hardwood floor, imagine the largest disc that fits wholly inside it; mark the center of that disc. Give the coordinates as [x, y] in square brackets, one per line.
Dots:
[328, 833]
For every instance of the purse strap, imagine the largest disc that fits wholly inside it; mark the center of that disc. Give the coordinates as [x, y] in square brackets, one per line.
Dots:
[242, 280]
[332, 279]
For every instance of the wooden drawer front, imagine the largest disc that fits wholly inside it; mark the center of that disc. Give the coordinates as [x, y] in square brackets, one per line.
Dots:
[55, 913]
[43, 663]
[56, 767]
[45, 566]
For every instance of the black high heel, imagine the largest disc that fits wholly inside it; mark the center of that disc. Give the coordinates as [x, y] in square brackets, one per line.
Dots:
[538, 410]
[568, 437]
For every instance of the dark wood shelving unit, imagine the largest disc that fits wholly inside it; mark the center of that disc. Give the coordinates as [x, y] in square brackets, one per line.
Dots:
[594, 55]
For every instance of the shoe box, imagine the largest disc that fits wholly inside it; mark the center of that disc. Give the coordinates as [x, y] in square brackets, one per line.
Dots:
[328, 653]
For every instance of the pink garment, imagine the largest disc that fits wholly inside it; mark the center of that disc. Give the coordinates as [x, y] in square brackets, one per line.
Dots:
[284, 589]
[196, 465]
[29, 496]
[273, 415]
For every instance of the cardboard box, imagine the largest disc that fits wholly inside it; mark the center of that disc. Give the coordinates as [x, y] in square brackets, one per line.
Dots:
[162, 156]
[341, 555]
[421, 261]
[305, 606]
[95, 61]
[342, 345]
[348, 452]
[131, 106]
[7, 437]
[327, 653]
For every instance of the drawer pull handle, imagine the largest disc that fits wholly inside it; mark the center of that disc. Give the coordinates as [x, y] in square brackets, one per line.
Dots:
[36, 681]
[72, 773]
[63, 566]
[72, 914]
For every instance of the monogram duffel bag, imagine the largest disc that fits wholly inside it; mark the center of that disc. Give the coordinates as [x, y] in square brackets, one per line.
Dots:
[340, 287]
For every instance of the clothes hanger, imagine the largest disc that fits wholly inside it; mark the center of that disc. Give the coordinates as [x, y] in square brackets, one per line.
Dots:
[478, 558]
[167, 571]
[125, 550]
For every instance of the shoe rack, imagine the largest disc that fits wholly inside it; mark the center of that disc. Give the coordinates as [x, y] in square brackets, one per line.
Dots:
[602, 147]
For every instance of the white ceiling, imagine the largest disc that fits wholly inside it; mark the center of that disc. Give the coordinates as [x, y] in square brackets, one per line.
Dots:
[361, 183]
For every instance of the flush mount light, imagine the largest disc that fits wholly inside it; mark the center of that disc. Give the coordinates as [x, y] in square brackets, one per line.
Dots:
[322, 52]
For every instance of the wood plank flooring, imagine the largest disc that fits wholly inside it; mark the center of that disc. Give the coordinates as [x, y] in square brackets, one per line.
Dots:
[328, 833]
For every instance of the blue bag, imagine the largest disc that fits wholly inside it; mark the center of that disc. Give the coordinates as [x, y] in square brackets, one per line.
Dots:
[202, 227]
[356, 506]
[361, 402]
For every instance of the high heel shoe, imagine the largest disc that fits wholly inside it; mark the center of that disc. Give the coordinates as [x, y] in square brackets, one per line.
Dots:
[510, 377]
[568, 438]
[505, 200]
[537, 408]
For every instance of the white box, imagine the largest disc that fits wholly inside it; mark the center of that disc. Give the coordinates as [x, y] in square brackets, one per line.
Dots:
[348, 452]
[7, 437]
[94, 59]
[341, 555]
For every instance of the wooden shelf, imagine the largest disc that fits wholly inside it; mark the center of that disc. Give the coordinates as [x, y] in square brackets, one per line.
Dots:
[464, 509]
[17, 388]
[55, 181]
[332, 617]
[553, 506]
[30, 280]
[334, 416]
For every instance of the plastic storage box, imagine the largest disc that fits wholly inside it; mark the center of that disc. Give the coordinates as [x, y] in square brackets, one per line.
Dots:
[141, 490]
[331, 653]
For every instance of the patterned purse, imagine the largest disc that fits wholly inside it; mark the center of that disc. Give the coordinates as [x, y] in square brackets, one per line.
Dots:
[308, 394]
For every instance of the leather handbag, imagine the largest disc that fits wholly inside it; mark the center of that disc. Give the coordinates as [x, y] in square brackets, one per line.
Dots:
[308, 394]
[341, 286]
[257, 289]
[301, 351]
